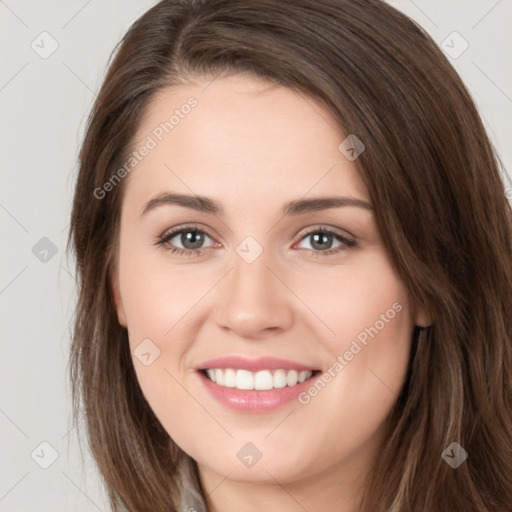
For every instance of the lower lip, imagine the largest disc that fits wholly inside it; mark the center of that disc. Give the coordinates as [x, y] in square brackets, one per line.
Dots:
[254, 401]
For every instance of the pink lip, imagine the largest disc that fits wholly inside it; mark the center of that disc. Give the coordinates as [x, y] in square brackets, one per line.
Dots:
[252, 401]
[253, 365]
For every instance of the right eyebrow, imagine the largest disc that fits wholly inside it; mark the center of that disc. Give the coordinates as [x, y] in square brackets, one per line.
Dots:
[199, 203]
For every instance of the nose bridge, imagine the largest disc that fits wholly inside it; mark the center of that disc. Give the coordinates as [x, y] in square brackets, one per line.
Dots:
[252, 298]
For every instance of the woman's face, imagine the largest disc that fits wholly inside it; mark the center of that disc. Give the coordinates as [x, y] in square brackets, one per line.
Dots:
[260, 295]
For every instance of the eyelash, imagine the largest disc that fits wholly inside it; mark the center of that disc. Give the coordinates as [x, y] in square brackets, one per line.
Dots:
[164, 239]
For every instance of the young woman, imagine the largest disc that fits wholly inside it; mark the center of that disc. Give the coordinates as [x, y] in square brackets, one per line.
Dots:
[295, 278]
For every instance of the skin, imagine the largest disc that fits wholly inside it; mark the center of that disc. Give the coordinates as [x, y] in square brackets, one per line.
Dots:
[254, 147]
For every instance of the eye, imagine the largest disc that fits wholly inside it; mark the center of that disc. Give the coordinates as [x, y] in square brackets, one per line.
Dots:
[190, 237]
[321, 241]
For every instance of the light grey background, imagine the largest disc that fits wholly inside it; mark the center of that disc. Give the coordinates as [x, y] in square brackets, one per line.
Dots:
[44, 103]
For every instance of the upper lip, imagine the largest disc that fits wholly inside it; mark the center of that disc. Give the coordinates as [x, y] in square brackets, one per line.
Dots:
[261, 363]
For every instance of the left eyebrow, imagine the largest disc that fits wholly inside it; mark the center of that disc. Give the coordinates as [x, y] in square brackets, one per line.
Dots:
[323, 203]
[293, 208]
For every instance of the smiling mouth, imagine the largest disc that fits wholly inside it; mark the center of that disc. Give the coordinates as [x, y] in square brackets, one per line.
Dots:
[261, 380]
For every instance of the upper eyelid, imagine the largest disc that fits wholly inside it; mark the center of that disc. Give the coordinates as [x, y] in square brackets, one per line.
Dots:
[188, 227]
[321, 227]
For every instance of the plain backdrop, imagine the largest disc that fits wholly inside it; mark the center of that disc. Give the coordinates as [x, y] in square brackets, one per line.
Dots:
[53, 59]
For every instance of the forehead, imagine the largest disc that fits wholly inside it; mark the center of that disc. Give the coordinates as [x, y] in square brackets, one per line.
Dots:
[241, 134]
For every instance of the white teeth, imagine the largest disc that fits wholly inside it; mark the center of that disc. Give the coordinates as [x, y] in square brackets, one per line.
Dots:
[229, 378]
[244, 379]
[260, 381]
[291, 378]
[279, 379]
[302, 376]
[263, 380]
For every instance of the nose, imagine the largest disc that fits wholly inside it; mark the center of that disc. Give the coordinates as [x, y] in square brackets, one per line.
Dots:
[253, 300]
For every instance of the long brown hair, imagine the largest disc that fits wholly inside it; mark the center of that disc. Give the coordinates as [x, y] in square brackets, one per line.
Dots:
[440, 205]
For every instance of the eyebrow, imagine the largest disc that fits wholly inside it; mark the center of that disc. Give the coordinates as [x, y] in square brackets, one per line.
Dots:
[207, 205]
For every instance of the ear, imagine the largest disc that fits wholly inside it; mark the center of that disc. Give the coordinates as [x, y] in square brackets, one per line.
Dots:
[114, 284]
[422, 318]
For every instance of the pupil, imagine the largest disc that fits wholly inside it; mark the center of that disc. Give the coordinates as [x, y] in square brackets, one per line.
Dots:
[321, 236]
[194, 238]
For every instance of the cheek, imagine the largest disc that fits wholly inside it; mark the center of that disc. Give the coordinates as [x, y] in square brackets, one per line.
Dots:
[373, 333]
[156, 303]
[157, 296]
[369, 314]
[363, 301]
